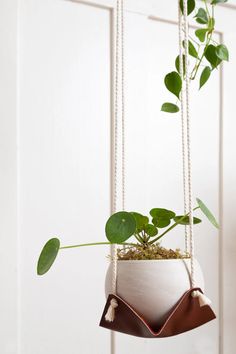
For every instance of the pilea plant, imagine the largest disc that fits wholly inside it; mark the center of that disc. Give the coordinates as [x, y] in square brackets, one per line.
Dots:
[205, 52]
[123, 225]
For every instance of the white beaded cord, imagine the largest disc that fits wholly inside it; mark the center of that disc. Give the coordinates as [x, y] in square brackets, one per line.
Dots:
[183, 123]
[188, 129]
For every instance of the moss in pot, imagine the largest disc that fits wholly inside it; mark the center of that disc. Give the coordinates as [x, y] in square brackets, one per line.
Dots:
[149, 275]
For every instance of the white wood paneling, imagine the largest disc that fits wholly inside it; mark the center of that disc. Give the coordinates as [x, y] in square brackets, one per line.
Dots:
[64, 172]
[63, 177]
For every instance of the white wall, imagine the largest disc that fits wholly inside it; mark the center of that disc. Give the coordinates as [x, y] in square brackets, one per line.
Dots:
[56, 105]
[8, 177]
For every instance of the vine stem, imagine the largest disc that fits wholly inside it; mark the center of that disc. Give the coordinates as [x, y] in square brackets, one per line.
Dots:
[97, 244]
[207, 44]
[201, 59]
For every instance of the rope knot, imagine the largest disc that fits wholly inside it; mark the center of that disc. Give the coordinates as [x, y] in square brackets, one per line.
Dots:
[110, 315]
[203, 299]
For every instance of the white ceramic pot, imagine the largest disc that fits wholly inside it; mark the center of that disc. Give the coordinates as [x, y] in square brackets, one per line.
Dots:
[153, 287]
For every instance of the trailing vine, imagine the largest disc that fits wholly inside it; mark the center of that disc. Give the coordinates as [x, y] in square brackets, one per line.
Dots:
[205, 52]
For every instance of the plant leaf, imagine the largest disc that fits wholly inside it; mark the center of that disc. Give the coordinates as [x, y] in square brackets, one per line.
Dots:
[190, 6]
[162, 213]
[177, 64]
[169, 107]
[185, 220]
[161, 221]
[191, 49]
[211, 56]
[222, 52]
[205, 76]
[215, 2]
[173, 83]
[151, 230]
[120, 226]
[141, 220]
[207, 213]
[201, 16]
[201, 34]
[48, 256]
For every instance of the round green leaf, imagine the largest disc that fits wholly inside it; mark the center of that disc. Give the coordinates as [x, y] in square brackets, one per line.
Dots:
[151, 230]
[201, 16]
[169, 107]
[161, 221]
[190, 6]
[177, 64]
[211, 56]
[120, 226]
[205, 76]
[48, 256]
[222, 52]
[162, 213]
[201, 34]
[184, 220]
[141, 220]
[207, 213]
[191, 49]
[173, 83]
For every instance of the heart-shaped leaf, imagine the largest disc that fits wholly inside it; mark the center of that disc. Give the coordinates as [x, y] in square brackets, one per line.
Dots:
[191, 49]
[177, 64]
[184, 220]
[207, 213]
[161, 221]
[141, 220]
[211, 56]
[222, 52]
[162, 213]
[120, 226]
[201, 16]
[151, 230]
[173, 83]
[205, 76]
[48, 256]
[169, 107]
[190, 6]
[201, 34]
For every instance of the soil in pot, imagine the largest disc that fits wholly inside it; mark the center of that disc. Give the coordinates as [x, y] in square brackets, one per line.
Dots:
[151, 252]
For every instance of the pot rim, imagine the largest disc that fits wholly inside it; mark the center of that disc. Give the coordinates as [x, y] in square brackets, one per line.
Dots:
[152, 260]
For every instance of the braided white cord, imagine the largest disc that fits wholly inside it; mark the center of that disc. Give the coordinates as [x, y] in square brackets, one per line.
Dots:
[188, 142]
[123, 102]
[183, 128]
[116, 118]
[115, 166]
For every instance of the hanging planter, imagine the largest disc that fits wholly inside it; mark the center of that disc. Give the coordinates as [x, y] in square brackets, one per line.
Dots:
[152, 291]
[153, 284]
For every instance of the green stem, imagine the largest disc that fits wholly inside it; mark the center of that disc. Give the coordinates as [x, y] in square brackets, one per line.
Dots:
[209, 36]
[207, 10]
[171, 227]
[201, 59]
[138, 238]
[98, 244]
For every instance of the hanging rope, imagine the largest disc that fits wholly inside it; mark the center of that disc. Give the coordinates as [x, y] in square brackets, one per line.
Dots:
[183, 127]
[188, 129]
[119, 54]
